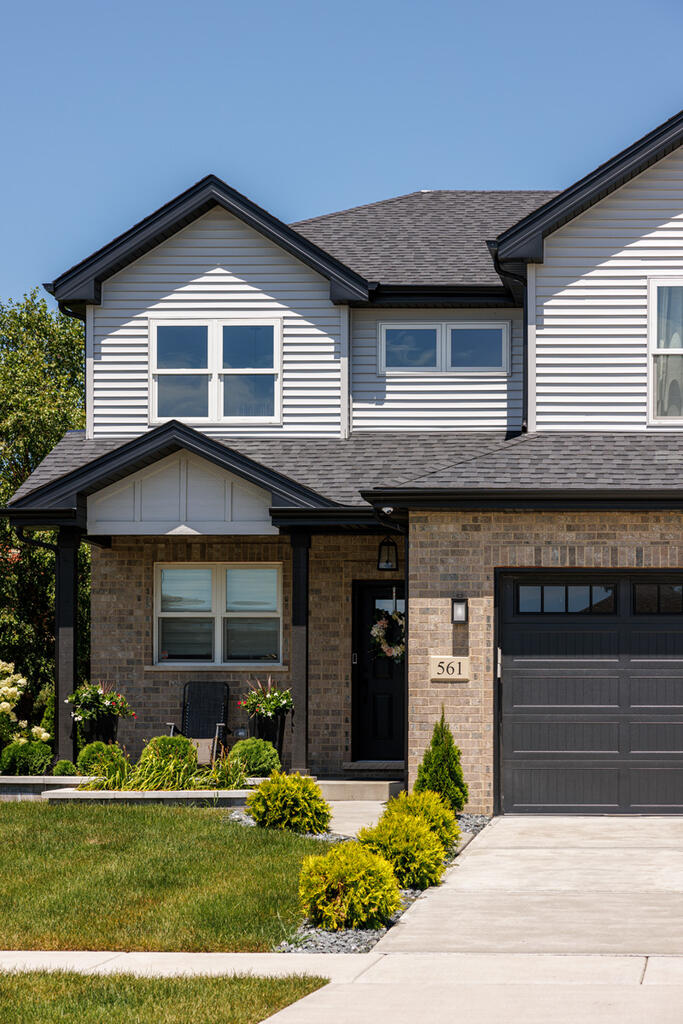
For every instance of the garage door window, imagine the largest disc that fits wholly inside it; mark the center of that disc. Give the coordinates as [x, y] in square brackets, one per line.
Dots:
[572, 599]
[658, 598]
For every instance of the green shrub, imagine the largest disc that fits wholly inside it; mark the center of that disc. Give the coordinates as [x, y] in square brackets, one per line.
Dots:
[289, 801]
[96, 757]
[259, 756]
[64, 768]
[430, 808]
[31, 758]
[169, 748]
[349, 887]
[441, 771]
[410, 846]
[226, 772]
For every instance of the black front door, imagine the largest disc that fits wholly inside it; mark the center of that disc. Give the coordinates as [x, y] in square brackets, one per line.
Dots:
[378, 681]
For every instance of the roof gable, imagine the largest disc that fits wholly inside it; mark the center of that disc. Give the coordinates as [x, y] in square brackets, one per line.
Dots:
[81, 284]
[524, 240]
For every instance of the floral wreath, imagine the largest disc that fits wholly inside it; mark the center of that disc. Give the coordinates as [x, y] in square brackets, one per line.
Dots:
[388, 636]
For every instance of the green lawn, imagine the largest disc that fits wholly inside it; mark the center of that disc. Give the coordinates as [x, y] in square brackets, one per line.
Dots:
[61, 998]
[144, 878]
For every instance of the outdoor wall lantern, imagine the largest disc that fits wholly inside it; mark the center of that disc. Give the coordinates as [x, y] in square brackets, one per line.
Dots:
[387, 556]
[459, 609]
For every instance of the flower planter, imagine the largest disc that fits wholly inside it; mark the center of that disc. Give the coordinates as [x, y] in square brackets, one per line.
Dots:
[104, 728]
[272, 729]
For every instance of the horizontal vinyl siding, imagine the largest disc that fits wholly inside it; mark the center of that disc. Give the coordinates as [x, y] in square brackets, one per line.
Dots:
[591, 303]
[447, 401]
[217, 267]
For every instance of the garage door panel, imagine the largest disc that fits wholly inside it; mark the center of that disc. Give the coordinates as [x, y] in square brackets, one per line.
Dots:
[652, 691]
[592, 703]
[564, 691]
[552, 737]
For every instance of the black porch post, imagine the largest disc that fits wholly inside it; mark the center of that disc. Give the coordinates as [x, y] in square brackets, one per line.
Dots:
[301, 542]
[66, 630]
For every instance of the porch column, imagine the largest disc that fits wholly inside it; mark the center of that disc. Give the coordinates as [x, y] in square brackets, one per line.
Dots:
[301, 542]
[66, 629]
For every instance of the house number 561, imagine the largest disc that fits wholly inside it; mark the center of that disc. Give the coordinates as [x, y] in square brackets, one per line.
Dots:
[449, 670]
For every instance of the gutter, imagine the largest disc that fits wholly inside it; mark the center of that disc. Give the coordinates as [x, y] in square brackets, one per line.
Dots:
[527, 499]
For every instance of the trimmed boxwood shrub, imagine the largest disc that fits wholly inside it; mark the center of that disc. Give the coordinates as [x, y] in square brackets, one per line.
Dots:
[289, 801]
[64, 768]
[169, 748]
[99, 756]
[32, 758]
[441, 771]
[431, 809]
[412, 849]
[259, 757]
[349, 887]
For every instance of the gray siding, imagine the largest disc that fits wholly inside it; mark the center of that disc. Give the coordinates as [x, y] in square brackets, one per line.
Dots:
[591, 303]
[215, 267]
[444, 401]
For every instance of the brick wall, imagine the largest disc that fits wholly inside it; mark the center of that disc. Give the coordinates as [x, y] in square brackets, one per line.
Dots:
[122, 631]
[455, 554]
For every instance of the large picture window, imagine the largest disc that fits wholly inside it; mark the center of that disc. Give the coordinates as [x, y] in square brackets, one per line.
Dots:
[218, 614]
[454, 347]
[216, 371]
[666, 349]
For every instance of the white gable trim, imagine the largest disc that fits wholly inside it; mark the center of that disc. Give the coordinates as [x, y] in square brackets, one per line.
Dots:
[182, 494]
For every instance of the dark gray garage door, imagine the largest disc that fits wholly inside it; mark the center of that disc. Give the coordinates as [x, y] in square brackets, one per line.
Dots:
[592, 693]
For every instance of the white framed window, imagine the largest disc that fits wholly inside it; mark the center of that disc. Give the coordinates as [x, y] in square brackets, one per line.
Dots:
[454, 347]
[665, 344]
[216, 371]
[219, 613]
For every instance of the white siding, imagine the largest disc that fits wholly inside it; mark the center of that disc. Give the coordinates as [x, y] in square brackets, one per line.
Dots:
[182, 494]
[216, 267]
[448, 401]
[591, 303]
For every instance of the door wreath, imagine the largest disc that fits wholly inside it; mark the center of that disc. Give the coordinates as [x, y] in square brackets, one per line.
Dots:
[388, 635]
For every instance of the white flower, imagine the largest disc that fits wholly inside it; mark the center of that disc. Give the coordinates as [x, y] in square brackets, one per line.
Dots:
[5, 706]
[22, 739]
[23, 725]
[66, 701]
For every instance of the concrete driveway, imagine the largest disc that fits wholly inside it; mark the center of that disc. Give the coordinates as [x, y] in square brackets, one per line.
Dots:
[541, 919]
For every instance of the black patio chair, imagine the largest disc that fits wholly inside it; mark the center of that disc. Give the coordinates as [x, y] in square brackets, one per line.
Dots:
[205, 715]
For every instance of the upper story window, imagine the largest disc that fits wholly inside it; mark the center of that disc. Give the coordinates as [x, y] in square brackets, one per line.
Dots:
[444, 347]
[216, 371]
[665, 322]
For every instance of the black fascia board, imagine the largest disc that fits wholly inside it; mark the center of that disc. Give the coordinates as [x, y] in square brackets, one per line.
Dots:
[331, 520]
[46, 518]
[155, 445]
[524, 240]
[527, 499]
[462, 296]
[81, 284]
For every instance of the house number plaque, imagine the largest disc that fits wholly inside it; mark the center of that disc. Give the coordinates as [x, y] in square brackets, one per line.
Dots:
[448, 669]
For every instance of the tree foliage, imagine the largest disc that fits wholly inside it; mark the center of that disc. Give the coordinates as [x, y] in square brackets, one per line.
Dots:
[41, 397]
[441, 771]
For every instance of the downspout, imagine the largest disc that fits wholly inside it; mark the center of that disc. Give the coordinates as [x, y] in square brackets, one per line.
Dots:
[493, 249]
[32, 542]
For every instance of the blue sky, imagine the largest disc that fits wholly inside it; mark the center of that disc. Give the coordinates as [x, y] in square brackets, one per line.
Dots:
[111, 108]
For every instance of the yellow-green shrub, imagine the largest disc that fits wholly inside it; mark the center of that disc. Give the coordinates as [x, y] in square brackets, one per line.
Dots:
[431, 809]
[289, 801]
[409, 845]
[349, 887]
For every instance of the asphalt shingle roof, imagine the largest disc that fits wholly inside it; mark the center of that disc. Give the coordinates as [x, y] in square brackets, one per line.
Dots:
[423, 238]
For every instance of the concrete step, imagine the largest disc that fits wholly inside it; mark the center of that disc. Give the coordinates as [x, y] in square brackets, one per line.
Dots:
[360, 789]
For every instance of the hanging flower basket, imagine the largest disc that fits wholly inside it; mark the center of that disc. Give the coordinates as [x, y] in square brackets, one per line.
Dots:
[97, 709]
[388, 636]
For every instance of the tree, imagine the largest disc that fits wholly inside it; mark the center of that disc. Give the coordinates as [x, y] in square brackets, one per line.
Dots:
[441, 770]
[41, 397]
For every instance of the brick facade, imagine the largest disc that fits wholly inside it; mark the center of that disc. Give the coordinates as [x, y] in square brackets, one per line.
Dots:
[455, 554]
[123, 624]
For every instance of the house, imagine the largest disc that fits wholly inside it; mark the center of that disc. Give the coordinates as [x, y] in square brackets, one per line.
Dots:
[462, 406]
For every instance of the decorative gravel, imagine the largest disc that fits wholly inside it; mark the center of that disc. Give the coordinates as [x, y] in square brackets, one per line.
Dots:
[473, 823]
[242, 818]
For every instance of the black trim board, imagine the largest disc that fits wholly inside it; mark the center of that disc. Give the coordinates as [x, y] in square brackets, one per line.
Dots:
[81, 284]
[524, 240]
[552, 499]
[148, 449]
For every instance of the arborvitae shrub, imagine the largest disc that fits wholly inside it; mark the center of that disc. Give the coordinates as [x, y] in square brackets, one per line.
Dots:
[410, 846]
[98, 755]
[260, 758]
[289, 801]
[430, 808]
[64, 768]
[169, 748]
[441, 771]
[349, 887]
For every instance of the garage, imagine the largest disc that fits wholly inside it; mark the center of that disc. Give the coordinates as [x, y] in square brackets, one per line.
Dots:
[591, 692]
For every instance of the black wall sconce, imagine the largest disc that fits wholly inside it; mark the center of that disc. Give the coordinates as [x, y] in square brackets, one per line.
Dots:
[459, 609]
[387, 556]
